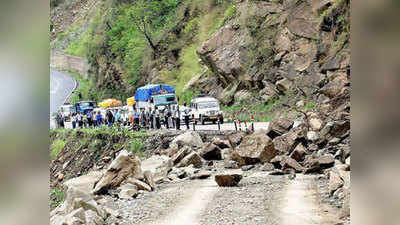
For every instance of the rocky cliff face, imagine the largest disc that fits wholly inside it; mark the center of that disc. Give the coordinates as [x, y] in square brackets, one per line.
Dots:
[273, 48]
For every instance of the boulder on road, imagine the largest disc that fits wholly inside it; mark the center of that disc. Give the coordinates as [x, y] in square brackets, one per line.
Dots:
[335, 182]
[292, 163]
[221, 143]
[191, 159]
[128, 191]
[279, 126]
[201, 175]
[177, 157]
[123, 167]
[148, 177]
[211, 152]
[326, 161]
[189, 138]
[140, 185]
[236, 138]
[298, 153]
[254, 148]
[228, 180]
[285, 143]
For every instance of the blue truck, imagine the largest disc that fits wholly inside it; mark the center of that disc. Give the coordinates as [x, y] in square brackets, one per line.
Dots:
[160, 95]
[85, 106]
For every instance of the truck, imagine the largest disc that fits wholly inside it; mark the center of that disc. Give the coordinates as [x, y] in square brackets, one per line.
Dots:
[85, 106]
[152, 95]
[206, 108]
[66, 111]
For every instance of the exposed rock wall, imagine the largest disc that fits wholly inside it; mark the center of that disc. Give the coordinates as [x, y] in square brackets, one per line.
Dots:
[60, 60]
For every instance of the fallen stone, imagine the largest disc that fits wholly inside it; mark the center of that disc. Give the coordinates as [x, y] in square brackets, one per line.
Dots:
[277, 172]
[230, 164]
[298, 153]
[211, 152]
[221, 143]
[128, 191]
[248, 167]
[91, 218]
[285, 143]
[189, 138]
[267, 167]
[292, 163]
[201, 175]
[235, 139]
[279, 126]
[148, 177]
[228, 180]
[123, 167]
[139, 184]
[191, 159]
[335, 182]
[177, 157]
[276, 161]
[315, 124]
[326, 161]
[312, 136]
[254, 148]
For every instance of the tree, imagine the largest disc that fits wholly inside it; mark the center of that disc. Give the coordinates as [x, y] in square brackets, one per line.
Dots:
[142, 13]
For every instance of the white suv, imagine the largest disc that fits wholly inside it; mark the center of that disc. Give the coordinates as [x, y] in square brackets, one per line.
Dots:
[206, 108]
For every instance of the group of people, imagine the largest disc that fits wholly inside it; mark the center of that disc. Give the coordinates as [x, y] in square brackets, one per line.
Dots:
[170, 117]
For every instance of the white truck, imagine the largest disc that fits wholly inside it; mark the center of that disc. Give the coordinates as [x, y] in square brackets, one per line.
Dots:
[66, 112]
[206, 108]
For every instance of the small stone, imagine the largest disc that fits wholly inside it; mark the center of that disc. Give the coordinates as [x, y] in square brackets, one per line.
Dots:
[228, 180]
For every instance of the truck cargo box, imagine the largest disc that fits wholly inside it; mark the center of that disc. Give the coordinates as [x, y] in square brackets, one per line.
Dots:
[144, 93]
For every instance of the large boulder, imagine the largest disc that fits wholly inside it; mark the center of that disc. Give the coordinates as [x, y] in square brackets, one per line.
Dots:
[222, 144]
[235, 139]
[286, 143]
[335, 181]
[299, 152]
[279, 126]
[148, 177]
[211, 152]
[191, 159]
[189, 138]
[177, 157]
[228, 180]
[254, 148]
[84, 183]
[290, 163]
[123, 167]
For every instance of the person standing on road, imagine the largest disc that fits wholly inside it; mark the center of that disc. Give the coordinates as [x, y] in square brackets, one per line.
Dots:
[79, 118]
[137, 116]
[151, 118]
[73, 120]
[110, 118]
[90, 118]
[117, 117]
[186, 115]
[177, 115]
[99, 119]
[157, 116]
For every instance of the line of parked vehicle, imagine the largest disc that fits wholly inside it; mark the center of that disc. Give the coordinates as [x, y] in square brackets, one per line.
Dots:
[202, 108]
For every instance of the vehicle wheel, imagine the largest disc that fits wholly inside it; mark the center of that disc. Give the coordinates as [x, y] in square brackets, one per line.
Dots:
[202, 120]
[221, 120]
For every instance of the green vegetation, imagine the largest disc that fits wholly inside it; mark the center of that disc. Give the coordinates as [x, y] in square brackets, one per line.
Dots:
[57, 146]
[56, 198]
[261, 112]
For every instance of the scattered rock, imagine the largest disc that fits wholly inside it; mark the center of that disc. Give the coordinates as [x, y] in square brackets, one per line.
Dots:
[60, 176]
[139, 184]
[236, 138]
[177, 157]
[284, 84]
[279, 126]
[267, 167]
[326, 161]
[211, 152]
[148, 177]
[292, 163]
[221, 143]
[248, 167]
[230, 164]
[277, 172]
[128, 191]
[201, 175]
[254, 148]
[228, 180]
[285, 143]
[123, 167]
[335, 182]
[298, 153]
[191, 159]
[315, 124]
[312, 136]
[190, 138]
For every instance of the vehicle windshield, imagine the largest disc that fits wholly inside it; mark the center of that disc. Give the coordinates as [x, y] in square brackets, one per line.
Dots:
[164, 100]
[87, 104]
[204, 105]
[67, 109]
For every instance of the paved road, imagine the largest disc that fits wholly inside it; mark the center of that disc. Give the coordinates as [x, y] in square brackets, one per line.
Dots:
[61, 86]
